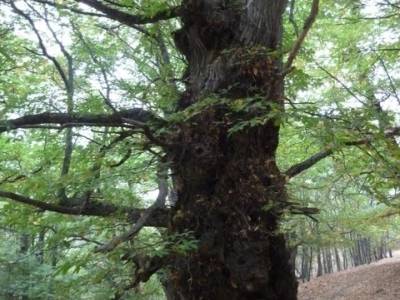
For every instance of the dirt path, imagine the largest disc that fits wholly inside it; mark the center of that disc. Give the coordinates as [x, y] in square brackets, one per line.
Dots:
[377, 281]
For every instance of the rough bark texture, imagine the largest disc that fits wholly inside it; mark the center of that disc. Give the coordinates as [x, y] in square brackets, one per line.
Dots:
[230, 191]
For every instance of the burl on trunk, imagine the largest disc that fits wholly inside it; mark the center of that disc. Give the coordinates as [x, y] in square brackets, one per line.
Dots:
[230, 191]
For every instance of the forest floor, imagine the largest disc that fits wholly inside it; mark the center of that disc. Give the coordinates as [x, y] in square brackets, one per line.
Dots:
[376, 281]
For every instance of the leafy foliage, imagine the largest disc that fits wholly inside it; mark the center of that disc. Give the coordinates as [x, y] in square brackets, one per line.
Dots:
[344, 88]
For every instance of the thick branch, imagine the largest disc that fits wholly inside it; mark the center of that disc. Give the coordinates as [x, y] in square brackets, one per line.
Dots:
[157, 219]
[129, 19]
[306, 28]
[72, 9]
[40, 204]
[308, 163]
[311, 161]
[70, 120]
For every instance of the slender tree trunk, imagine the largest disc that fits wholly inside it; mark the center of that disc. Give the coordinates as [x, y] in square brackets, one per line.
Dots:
[384, 245]
[356, 253]
[304, 263]
[319, 263]
[337, 259]
[389, 249]
[361, 249]
[345, 264]
[324, 261]
[310, 265]
[230, 191]
[293, 255]
[328, 256]
[375, 254]
[352, 257]
[24, 248]
[380, 255]
[369, 254]
[40, 246]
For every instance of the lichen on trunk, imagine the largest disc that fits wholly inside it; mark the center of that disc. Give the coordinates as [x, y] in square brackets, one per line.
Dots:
[230, 192]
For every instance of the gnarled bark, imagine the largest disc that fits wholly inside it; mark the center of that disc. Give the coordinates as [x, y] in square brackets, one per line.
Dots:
[230, 191]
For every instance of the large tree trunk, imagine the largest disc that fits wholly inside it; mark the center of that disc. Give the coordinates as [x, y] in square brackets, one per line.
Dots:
[230, 191]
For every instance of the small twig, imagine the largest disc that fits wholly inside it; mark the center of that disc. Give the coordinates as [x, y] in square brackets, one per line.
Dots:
[392, 85]
[123, 160]
[10, 179]
[341, 83]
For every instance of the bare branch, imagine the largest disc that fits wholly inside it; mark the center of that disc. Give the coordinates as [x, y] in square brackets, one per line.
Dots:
[392, 85]
[311, 161]
[15, 178]
[72, 9]
[122, 160]
[83, 238]
[372, 18]
[306, 28]
[71, 120]
[308, 163]
[347, 89]
[394, 5]
[160, 202]
[138, 27]
[40, 204]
